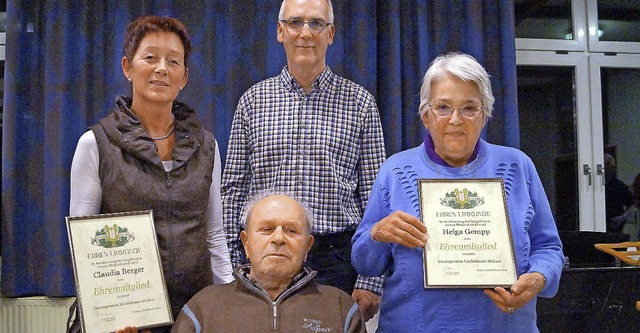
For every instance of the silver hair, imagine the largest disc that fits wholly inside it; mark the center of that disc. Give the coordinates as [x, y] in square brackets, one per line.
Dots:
[464, 67]
[248, 207]
[331, 17]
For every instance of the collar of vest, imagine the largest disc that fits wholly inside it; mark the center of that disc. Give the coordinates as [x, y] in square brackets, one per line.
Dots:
[124, 130]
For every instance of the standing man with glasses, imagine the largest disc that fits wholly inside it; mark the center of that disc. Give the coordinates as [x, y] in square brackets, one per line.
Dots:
[312, 133]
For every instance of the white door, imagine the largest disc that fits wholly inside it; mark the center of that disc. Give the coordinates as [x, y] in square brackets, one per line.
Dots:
[556, 132]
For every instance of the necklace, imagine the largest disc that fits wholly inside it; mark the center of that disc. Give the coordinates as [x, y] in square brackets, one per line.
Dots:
[173, 128]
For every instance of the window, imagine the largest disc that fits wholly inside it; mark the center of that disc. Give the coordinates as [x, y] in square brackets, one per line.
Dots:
[544, 19]
[580, 90]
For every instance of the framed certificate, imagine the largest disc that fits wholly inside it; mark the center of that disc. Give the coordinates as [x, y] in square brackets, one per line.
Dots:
[470, 244]
[118, 273]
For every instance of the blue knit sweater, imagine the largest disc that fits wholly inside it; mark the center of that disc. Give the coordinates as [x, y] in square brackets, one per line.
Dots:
[406, 305]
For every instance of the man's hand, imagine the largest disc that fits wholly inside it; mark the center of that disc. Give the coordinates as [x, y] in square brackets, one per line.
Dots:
[402, 228]
[528, 286]
[368, 302]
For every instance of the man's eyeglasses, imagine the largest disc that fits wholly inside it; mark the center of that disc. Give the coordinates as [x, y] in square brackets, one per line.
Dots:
[316, 25]
[444, 110]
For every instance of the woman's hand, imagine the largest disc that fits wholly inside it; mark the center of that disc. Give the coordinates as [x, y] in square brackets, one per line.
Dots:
[402, 228]
[522, 292]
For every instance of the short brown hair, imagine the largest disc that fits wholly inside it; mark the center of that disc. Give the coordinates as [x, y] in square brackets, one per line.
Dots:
[140, 27]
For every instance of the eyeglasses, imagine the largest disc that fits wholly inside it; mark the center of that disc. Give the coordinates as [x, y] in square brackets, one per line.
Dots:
[467, 111]
[316, 25]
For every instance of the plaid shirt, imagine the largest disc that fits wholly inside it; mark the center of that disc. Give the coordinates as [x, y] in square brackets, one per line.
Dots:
[325, 147]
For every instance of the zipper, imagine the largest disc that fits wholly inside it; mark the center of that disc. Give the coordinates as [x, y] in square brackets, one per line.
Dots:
[297, 286]
[169, 180]
[274, 303]
[275, 315]
[168, 210]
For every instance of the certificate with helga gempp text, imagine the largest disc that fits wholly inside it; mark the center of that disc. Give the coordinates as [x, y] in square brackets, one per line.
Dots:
[118, 272]
[469, 236]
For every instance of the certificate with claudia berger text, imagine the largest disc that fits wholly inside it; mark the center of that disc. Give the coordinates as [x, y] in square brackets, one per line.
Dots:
[469, 235]
[118, 272]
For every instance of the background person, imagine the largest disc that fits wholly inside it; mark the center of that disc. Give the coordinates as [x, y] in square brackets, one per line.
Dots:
[636, 199]
[275, 292]
[455, 103]
[312, 133]
[151, 152]
[618, 197]
[636, 191]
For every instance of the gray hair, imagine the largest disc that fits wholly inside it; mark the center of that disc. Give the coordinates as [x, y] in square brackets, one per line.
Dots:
[464, 67]
[331, 17]
[248, 207]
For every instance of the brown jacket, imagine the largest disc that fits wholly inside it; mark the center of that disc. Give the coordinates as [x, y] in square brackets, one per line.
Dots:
[243, 306]
[133, 178]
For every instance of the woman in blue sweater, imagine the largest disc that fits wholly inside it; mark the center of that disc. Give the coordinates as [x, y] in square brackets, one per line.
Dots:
[391, 238]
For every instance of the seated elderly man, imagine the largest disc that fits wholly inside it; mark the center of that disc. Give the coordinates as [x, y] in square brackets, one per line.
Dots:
[275, 292]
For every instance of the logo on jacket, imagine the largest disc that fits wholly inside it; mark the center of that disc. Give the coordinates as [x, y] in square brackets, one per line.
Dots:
[462, 199]
[315, 325]
[109, 237]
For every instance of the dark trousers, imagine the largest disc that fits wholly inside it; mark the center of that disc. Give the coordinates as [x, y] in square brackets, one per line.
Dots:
[330, 256]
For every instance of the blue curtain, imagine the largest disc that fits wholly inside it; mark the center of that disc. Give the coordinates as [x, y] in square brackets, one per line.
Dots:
[63, 73]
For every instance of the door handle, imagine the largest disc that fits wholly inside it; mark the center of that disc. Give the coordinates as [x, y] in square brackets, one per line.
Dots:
[600, 172]
[586, 170]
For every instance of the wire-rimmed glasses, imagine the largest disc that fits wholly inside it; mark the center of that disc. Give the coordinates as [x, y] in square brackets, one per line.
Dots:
[444, 110]
[316, 25]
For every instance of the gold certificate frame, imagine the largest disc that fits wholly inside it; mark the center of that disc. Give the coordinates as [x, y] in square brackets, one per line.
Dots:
[470, 243]
[118, 273]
